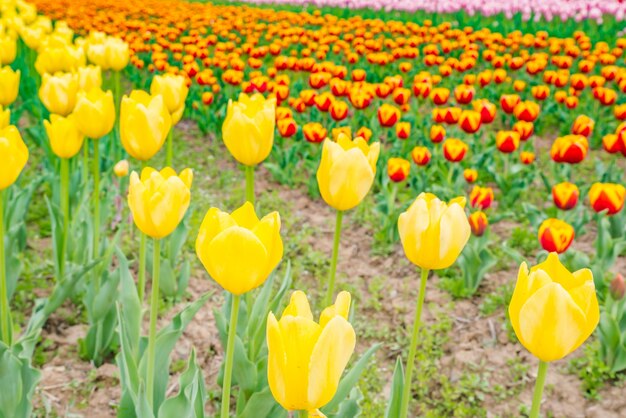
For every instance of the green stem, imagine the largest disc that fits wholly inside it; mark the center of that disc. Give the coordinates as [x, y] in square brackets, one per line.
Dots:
[96, 198]
[170, 148]
[116, 93]
[4, 297]
[303, 414]
[333, 262]
[230, 351]
[141, 281]
[154, 310]
[85, 161]
[65, 209]
[250, 184]
[406, 392]
[537, 395]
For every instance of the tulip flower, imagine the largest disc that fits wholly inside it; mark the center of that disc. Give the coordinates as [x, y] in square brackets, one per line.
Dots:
[552, 311]
[89, 77]
[15, 156]
[454, 150]
[8, 49]
[174, 90]
[318, 351]
[610, 143]
[9, 85]
[565, 195]
[364, 133]
[121, 168]
[507, 141]
[508, 102]
[421, 155]
[469, 121]
[439, 95]
[481, 197]
[314, 132]
[437, 133]
[470, 175]
[478, 223]
[345, 175]
[338, 110]
[618, 287]
[58, 92]
[583, 125]
[524, 129]
[526, 111]
[527, 157]
[248, 133]
[464, 94]
[398, 169]
[403, 130]
[433, 235]
[388, 115]
[5, 118]
[555, 235]
[571, 149]
[239, 252]
[287, 127]
[144, 124]
[95, 113]
[486, 109]
[607, 197]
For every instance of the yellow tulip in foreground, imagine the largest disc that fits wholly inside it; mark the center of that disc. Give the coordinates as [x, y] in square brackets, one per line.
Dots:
[432, 232]
[58, 92]
[346, 172]
[144, 124]
[9, 85]
[553, 311]
[306, 359]
[95, 113]
[65, 138]
[159, 200]
[248, 130]
[239, 251]
[14, 156]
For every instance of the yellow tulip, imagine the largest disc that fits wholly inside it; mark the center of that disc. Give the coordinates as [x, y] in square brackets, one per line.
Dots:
[144, 124]
[14, 155]
[65, 138]
[174, 90]
[89, 77]
[56, 56]
[553, 311]
[347, 170]
[95, 113]
[306, 359]
[248, 130]
[32, 36]
[433, 233]
[239, 251]
[5, 118]
[8, 49]
[121, 168]
[58, 92]
[116, 54]
[9, 85]
[159, 200]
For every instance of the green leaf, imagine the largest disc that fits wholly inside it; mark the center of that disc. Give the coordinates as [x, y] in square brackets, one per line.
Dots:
[189, 402]
[18, 381]
[260, 404]
[395, 395]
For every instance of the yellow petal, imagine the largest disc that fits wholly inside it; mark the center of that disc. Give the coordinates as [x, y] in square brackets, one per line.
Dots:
[351, 178]
[276, 361]
[526, 285]
[557, 272]
[298, 306]
[454, 232]
[245, 216]
[341, 308]
[268, 232]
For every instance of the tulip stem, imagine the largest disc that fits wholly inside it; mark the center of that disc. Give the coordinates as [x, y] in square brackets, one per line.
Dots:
[85, 161]
[170, 148]
[333, 262]
[96, 199]
[230, 351]
[65, 209]
[4, 297]
[250, 184]
[116, 136]
[154, 310]
[141, 281]
[303, 414]
[406, 392]
[538, 394]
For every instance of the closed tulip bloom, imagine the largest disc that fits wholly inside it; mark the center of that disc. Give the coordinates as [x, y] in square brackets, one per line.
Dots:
[403, 130]
[116, 54]
[8, 49]
[507, 141]
[338, 110]
[464, 94]
[365, 133]
[618, 287]
[14, 155]
[565, 195]
[121, 168]
[620, 112]
[583, 125]
[95, 113]
[439, 95]
[287, 127]
[437, 133]
[158, 200]
[470, 175]
[527, 157]
[66, 140]
[388, 115]
[508, 102]
[307, 359]
[555, 235]
[144, 124]
[89, 77]
[314, 132]
[5, 118]
[9, 85]
[421, 155]
[469, 121]
[481, 197]
[433, 233]
[398, 169]
[174, 90]
[526, 111]
[524, 129]
[238, 250]
[553, 311]
[486, 109]
[59, 92]
[478, 223]
[454, 150]
[347, 170]
[248, 130]
[571, 149]
[607, 197]
[612, 144]
[57, 56]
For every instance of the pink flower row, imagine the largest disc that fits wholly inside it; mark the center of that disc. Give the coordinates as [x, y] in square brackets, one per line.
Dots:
[530, 9]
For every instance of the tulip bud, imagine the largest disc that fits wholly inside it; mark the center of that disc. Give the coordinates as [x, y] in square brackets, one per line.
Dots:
[607, 197]
[121, 168]
[618, 287]
[398, 169]
[507, 141]
[66, 140]
[388, 115]
[527, 157]
[565, 195]
[14, 156]
[174, 90]
[58, 92]
[437, 133]
[8, 49]
[478, 223]
[454, 150]
[95, 113]
[9, 85]
[421, 155]
[403, 130]
[470, 175]
[314, 132]
[481, 197]
[555, 235]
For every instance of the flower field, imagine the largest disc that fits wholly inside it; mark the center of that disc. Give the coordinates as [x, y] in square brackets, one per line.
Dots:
[321, 208]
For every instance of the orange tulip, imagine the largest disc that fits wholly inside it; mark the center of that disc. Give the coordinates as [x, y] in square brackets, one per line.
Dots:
[481, 197]
[403, 130]
[571, 149]
[338, 110]
[555, 235]
[439, 95]
[607, 196]
[527, 157]
[469, 121]
[508, 102]
[454, 150]
[526, 111]
[524, 129]
[507, 141]
[583, 125]
[287, 127]
[540, 92]
[398, 169]
[421, 155]
[464, 94]
[437, 133]
[565, 195]
[388, 115]
[470, 175]
[478, 223]
[314, 132]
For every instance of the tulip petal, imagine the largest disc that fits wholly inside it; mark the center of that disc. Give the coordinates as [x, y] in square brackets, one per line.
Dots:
[351, 178]
[298, 306]
[268, 232]
[454, 232]
[526, 285]
[276, 360]
[245, 216]
[557, 272]
[341, 308]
